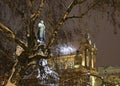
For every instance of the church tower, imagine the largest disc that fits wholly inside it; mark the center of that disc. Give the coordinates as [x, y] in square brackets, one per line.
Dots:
[86, 55]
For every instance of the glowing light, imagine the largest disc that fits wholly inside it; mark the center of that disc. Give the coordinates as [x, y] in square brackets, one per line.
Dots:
[77, 66]
[67, 49]
[93, 80]
[83, 61]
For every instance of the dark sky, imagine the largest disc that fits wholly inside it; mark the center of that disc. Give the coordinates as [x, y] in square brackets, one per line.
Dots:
[108, 45]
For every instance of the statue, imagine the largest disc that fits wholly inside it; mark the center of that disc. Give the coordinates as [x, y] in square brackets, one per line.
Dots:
[41, 31]
[44, 71]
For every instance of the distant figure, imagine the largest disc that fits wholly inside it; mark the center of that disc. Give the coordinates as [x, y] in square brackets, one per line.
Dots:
[41, 31]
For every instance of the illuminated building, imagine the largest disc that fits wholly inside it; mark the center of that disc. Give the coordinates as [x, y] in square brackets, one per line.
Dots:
[86, 55]
[111, 74]
[83, 62]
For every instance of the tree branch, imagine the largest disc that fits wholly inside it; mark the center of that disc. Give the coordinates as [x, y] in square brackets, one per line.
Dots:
[11, 35]
[80, 1]
[71, 17]
[34, 16]
[31, 5]
[84, 12]
[61, 22]
[12, 5]
[37, 56]
[9, 83]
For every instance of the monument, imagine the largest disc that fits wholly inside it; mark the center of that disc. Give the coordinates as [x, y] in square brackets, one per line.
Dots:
[44, 71]
[41, 31]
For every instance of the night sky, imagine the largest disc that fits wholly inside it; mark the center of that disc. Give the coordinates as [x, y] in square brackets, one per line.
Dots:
[108, 45]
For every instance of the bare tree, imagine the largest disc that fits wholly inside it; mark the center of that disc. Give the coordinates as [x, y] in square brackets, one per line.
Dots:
[29, 13]
[28, 54]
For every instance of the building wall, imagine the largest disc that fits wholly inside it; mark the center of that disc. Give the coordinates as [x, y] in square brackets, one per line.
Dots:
[110, 74]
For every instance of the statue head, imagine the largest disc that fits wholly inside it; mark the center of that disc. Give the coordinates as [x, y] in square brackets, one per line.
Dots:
[41, 21]
[87, 35]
